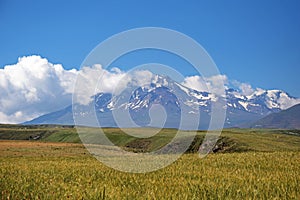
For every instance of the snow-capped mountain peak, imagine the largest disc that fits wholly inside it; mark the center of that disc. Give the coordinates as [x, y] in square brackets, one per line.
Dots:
[177, 99]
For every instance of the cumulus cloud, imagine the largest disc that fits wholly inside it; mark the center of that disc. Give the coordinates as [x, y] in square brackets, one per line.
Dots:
[142, 77]
[95, 79]
[195, 82]
[33, 86]
[244, 88]
[214, 84]
[286, 102]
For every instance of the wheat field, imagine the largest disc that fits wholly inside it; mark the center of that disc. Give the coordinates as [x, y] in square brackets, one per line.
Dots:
[43, 170]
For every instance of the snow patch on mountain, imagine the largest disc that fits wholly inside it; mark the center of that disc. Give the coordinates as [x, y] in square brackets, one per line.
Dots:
[244, 104]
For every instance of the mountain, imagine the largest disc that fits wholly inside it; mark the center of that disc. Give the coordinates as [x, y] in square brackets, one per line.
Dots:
[286, 119]
[172, 104]
[63, 117]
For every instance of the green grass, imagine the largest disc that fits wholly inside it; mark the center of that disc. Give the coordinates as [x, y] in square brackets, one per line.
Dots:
[265, 140]
[237, 140]
[19, 132]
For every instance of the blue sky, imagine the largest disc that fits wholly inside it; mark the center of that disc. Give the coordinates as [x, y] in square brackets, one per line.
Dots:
[251, 41]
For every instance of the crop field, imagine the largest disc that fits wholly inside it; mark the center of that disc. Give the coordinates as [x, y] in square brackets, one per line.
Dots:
[259, 164]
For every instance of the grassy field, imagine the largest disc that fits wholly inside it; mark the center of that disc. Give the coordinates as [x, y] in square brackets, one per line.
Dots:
[238, 139]
[266, 166]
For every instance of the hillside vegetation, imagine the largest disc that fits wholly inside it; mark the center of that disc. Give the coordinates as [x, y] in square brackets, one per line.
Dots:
[231, 140]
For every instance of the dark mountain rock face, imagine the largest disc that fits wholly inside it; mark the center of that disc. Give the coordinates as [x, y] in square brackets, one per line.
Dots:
[286, 119]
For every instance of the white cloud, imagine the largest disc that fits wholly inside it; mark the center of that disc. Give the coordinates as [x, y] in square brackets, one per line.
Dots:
[195, 82]
[95, 79]
[244, 88]
[142, 77]
[286, 102]
[214, 84]
[33, 86]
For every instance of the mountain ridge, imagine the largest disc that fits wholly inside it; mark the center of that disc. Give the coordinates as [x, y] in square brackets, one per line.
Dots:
[285, 119]
[176, 99]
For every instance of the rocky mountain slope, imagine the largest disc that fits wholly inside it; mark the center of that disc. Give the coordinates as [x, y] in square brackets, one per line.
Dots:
[171, 104]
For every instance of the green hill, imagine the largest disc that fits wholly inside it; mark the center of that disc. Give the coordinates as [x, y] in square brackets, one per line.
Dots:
[231, 140]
